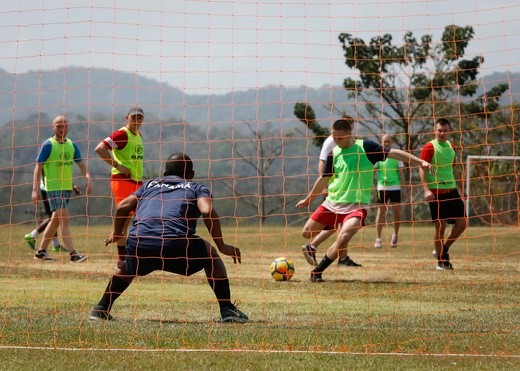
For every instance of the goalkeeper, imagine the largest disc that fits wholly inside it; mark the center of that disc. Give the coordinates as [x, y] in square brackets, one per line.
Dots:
[163, 237]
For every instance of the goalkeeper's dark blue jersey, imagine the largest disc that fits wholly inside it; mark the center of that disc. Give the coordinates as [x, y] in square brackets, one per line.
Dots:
[167, 208]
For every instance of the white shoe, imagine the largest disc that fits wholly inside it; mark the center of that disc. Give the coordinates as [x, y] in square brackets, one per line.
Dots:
[393, 241]
[377, 243]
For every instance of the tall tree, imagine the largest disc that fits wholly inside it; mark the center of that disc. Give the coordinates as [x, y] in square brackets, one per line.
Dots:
[401, 88]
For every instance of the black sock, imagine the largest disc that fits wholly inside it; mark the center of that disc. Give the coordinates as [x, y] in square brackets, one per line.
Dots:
[114, 289]
[324, 264]
[220, 287]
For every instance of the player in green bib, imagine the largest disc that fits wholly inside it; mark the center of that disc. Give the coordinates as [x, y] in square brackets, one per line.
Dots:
[352, 167]
[446, 204]
[390, 177]
[56, 159]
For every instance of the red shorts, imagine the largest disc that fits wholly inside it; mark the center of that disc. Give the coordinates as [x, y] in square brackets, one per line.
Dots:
[326, 217]
[122, 188]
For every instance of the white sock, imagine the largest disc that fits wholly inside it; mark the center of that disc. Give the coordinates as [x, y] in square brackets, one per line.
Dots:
[56, 242]
[34, 233]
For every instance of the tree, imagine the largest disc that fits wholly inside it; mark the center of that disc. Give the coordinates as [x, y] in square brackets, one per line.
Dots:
[306, 114]
[403, 87]
[262, 190]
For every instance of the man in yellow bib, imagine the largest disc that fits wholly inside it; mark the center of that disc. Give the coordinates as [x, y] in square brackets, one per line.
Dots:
[123, 151]
[56, 158]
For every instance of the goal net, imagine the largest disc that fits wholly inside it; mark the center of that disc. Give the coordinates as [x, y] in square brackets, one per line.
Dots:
[249, 90]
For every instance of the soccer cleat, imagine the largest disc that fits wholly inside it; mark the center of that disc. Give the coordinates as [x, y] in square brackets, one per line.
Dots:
[347, 262]
[394, 240]
[316, 277]
[30, 240]
[59, 249]
[444, 263]
[100, 313]
[377, 243]
[231, 314]
[77, 258]
[42, 255]
[309, 252]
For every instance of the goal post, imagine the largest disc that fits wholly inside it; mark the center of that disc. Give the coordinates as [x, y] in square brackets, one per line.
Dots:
[469, 160]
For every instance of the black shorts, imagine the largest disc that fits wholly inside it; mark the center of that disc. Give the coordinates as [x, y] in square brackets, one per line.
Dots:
[447, 206]
[46, 205]
[384, 197]
[181, 256]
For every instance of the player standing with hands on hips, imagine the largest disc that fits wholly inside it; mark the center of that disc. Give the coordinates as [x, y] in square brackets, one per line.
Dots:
[56, 158]
[446, 205]
[163, 237]
[123, 151]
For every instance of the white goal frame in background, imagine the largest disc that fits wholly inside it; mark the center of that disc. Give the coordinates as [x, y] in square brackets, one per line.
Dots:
[468, 171]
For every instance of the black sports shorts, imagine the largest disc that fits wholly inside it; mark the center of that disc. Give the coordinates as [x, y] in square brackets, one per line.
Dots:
[184, 256]
[447, 206]
[384, 197]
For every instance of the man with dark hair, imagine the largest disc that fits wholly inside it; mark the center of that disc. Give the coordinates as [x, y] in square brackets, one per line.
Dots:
[446, 205]
[352, 164]
[163, 237]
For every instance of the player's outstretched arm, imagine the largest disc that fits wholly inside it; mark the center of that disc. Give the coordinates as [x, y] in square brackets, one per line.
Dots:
[409, 158]
[316, 190]
[212, 222]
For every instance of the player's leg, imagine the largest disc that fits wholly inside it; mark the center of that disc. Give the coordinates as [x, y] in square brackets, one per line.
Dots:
[121, 189]
[52, 227]
[350, 226]
[218, 281]
[309, 250]
[382, 211]
[118, 283]
[396, 208]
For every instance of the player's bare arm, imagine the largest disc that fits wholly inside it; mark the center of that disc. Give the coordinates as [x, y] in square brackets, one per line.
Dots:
[316, 190]
[35, 196]
[409, 158]
[105, 154]
[212, 222]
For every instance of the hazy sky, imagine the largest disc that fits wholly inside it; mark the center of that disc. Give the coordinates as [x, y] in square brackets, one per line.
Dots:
[221, 45]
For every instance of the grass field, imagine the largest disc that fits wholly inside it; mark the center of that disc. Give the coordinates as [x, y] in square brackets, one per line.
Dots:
[396, 312]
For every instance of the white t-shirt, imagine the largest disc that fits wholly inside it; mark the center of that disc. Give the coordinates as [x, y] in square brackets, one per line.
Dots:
[327, 148]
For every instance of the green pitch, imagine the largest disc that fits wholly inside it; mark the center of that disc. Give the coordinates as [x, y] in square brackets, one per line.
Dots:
[395, 312]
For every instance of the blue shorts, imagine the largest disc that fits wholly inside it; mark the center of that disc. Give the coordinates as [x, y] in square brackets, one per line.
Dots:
[184, 256]
[58, 199]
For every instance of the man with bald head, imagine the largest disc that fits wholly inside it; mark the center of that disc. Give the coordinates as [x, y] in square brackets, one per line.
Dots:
[56, 159]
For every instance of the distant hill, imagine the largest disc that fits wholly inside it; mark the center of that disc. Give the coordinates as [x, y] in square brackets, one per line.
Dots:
[88, 92]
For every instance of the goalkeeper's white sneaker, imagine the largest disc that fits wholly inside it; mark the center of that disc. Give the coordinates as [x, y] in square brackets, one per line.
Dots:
[378, 243]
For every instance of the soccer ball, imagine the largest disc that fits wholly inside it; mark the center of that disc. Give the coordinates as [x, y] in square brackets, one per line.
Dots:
[282, 269]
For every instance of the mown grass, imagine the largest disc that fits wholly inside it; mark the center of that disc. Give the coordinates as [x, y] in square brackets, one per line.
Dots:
[396, 312]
